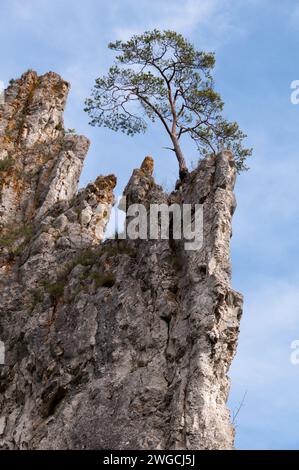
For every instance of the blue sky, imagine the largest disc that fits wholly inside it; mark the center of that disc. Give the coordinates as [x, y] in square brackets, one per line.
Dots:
[256, 44]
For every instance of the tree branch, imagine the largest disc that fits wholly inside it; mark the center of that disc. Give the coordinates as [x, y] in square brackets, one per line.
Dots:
[145, 100]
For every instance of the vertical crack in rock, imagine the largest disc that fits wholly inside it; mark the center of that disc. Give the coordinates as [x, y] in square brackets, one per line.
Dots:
[115, 344]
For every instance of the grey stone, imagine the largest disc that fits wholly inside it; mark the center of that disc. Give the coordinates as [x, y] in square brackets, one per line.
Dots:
[114, 345]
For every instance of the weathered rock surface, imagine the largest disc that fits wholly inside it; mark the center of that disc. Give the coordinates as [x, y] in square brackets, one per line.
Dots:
[121, 344]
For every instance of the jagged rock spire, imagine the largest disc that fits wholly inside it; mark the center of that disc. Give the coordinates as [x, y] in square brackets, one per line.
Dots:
[124, 344]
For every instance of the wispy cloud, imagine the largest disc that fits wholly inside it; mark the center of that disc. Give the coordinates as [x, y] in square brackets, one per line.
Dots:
[26, 10]
[183, 17]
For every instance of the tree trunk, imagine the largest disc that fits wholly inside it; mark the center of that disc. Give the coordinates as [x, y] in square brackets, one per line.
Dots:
[180, 157]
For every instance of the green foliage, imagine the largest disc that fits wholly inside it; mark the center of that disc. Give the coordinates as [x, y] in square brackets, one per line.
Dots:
[25, 231]
[14, 233]
[59, 127]
[161, 76]
[6, 241]
[103, 279]
[85, 258]
[6, 163]
[118, 247]
[18, 251]
[37, 297]
[88, 257]
[56, 289]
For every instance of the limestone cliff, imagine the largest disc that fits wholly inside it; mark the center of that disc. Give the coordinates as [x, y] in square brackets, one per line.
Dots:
[116, 344]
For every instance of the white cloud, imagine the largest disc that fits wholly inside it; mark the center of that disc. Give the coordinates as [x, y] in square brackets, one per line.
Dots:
[26, 10]
[183, 17]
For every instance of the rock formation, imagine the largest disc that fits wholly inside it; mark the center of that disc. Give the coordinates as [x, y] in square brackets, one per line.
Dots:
[115, 344]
